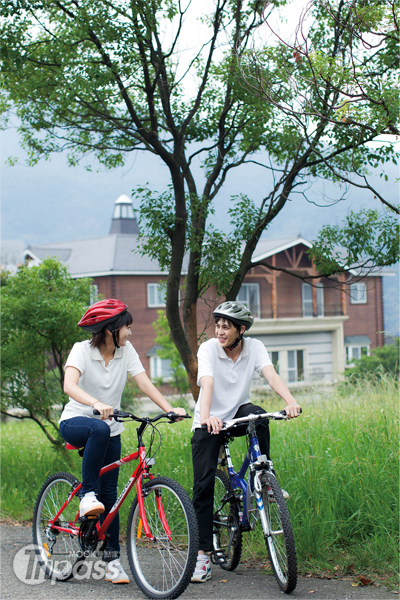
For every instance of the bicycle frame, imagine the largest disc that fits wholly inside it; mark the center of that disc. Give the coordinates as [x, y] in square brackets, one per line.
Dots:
[253, 456]
[141, 472]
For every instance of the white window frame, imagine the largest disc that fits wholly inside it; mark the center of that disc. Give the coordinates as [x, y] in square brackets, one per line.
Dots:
[245, 287]
[296, 366]
[157, 367]
[308, 302]
[358, 292]
[283, 366]
[359, 347]
[94, 294]
[276, 364]
[156, 289]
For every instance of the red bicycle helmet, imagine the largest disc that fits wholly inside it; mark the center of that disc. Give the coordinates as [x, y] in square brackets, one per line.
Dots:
[101, 314]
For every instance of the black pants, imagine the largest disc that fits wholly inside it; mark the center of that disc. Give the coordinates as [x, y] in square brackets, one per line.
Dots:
[205, 450]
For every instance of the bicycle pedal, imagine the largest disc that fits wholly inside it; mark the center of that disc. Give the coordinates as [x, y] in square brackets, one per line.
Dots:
[218, 558]
[87, 518]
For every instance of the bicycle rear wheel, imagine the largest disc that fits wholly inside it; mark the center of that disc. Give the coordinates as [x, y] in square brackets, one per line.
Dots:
[58, 552]
[278, 534]
[227, 536]
[163, 568]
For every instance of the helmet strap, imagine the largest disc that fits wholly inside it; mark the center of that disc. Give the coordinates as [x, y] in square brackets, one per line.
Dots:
[237, 342]
[114, 337]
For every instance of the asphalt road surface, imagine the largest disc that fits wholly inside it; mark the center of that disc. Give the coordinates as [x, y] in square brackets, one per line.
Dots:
[243, 584]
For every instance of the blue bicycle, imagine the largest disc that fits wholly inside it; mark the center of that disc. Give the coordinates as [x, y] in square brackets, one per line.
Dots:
[241, 500]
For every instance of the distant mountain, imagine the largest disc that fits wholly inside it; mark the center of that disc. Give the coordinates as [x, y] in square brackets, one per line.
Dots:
[51, 202]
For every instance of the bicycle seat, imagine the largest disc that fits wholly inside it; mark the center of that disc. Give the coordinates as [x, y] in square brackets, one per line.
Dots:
[71, 447]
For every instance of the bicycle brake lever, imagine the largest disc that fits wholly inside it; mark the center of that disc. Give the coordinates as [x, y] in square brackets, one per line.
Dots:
[173, 416]
[113, 416]
[283, 412]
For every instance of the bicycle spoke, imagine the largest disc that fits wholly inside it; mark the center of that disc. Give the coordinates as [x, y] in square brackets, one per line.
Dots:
[278, 535]
[58, 551]
[162, 568]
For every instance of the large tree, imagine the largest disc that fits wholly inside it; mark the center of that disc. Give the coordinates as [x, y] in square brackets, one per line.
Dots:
[110, 78]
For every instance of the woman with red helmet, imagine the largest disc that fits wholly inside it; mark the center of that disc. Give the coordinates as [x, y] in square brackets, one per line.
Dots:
[95, 376]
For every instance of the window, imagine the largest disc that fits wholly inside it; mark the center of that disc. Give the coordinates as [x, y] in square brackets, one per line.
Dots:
[295, 359]
[156, 294]
[160, 368]
[275, 360]
[356, 352]
[307, 300]
[94, 294]
[249, 294]
[358, 293]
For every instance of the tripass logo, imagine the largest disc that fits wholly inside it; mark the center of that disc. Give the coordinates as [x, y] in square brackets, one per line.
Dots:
[28, 566]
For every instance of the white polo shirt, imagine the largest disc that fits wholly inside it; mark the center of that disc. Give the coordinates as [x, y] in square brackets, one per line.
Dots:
[232, 380]
[105, 383]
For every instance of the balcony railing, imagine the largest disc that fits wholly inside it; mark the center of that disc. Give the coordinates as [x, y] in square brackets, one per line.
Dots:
[290, 310]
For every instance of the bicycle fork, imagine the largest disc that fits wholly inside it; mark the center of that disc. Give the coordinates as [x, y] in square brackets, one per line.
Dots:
[266, 526]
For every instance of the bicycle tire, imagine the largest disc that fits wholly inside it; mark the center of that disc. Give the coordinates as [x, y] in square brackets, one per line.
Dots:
[279, 541]
[227, 535]
[163, 568]
[61, 560]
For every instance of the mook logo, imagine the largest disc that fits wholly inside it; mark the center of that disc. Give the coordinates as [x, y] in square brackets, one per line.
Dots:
[29, 568]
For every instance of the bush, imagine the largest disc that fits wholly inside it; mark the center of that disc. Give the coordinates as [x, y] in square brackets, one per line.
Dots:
[382, 360]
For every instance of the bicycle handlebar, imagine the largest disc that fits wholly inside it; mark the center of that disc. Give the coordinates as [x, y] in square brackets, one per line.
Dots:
[274, 416]
[119, 414]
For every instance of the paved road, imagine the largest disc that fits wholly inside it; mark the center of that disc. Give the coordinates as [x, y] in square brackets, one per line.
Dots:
[243, 584]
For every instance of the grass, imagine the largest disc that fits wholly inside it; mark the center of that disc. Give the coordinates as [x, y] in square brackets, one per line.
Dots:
[339, 461]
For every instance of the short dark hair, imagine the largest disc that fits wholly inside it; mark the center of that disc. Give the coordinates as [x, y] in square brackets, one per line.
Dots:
[230, 323]
[99, 339]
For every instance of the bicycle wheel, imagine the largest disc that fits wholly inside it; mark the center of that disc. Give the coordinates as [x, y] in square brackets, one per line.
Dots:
[278, 534]
[227, 535]
[58, 552]
[163, 568]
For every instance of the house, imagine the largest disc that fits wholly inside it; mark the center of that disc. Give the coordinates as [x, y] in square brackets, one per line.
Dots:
[11, 255]
[311, 331]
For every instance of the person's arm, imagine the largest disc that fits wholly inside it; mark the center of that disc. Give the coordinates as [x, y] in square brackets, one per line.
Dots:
[214, 424]
[72, 389]
[150, 390]
[276, 383]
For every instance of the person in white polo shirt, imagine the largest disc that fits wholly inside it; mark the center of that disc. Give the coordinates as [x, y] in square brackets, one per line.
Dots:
[95, 376]
[226, 365]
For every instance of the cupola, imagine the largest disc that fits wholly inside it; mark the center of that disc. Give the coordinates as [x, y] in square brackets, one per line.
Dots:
[124, 220]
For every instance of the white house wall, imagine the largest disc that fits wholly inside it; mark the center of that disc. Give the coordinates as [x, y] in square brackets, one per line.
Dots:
[317, 353]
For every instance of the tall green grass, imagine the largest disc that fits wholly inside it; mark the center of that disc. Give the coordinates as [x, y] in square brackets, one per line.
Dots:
[338, 460]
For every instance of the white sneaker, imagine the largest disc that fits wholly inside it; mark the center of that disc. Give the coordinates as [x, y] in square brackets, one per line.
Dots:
[89, 505]
[115, 572]
[202, 570]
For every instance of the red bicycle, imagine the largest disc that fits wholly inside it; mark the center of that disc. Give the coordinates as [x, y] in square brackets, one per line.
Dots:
[162, 535]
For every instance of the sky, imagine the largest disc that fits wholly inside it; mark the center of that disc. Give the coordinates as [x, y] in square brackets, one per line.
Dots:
[52, 202]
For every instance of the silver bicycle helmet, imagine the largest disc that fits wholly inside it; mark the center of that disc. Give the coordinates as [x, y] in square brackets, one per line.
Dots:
[237, 312]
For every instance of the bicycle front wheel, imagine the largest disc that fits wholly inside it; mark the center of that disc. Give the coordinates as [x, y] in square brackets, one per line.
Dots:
[227, 535]
[163, 568]
[278, 534]
[57, 552]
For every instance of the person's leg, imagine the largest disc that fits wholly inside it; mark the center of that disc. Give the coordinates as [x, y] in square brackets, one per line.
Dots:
[205, 450]
[115, 572]
[108, 495]
[94, 435]
[262, 427]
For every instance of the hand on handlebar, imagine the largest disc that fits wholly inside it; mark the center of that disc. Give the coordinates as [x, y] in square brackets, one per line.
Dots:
[104, 410]
[292, 410]
[178, 411]
[214, 424]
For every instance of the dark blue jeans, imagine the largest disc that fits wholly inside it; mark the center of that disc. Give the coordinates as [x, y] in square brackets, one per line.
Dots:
[100, 450]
